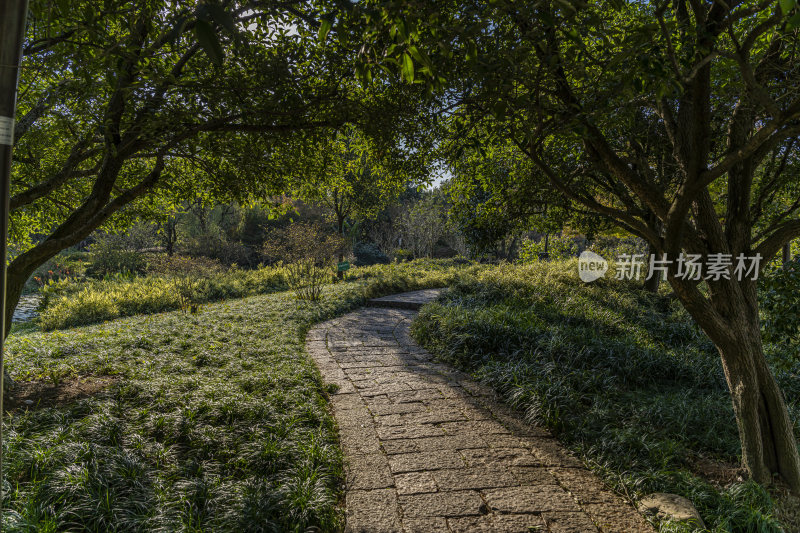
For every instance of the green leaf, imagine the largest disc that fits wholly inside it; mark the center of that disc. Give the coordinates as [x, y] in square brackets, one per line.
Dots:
[324, 28]
[209, 41]
[221, 17]
[408, 68]
[787, 5]
[176, 31]
[472, 51]
[420, 56]
[793, 22]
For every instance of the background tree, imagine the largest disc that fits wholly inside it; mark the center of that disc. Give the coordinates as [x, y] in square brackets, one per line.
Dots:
[156, 102]
[657, 116]
[488, 205]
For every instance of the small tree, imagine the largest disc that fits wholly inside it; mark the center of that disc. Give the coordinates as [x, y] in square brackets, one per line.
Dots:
[310, 252]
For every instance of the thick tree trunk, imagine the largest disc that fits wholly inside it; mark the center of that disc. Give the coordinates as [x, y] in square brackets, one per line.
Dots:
[651, 283]
[765, 430]
[787, 252]
[16, 276]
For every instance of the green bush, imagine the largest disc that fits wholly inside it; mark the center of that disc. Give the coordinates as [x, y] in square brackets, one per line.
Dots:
[65, 302]
[779, 292]
[368, 253]
[558, 247]
[107, 258]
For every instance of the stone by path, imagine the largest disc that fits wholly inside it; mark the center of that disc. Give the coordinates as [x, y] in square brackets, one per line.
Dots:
[427, 449]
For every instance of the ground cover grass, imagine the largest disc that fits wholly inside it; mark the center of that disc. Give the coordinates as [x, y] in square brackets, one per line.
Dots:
[623, 377]
[213, 422]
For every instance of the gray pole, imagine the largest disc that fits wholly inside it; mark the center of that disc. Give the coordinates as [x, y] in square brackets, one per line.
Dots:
[13, 15]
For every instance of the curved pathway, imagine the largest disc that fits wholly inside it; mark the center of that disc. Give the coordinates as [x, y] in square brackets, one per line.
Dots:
[428, 449]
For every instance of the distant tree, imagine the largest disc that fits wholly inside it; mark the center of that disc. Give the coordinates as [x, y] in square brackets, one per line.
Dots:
[423, 224]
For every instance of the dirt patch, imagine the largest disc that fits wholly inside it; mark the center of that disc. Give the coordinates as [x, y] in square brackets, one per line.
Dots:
[41, 394]
[718, 473]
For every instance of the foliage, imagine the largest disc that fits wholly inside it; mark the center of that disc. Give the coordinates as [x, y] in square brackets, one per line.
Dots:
[166, 265]
[423, 225]
[487, 205]
[70, 303]
[611, 247]
[368, 253]
[310, 252]
[780, 301]
[108, 257]
[353, 180]
[626, 379]
[558, 247]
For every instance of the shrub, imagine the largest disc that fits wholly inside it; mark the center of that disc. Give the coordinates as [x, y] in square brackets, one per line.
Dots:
[402, 254]
[175, 265]
[780, 308]
[65, 301]
[107, 257]
[216, 247]
[559, 247]
[310, 251]
[368, 253]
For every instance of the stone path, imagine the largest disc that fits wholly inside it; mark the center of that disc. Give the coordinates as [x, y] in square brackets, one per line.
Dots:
[427, 449]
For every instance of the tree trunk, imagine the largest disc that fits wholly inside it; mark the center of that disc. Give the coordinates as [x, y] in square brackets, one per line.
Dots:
[651, 283]
[765, 430]
[787, 252]
[340, 226]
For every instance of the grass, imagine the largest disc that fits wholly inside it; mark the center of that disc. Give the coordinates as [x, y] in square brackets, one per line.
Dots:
[215, 421]
[70, 303]
[624, 378]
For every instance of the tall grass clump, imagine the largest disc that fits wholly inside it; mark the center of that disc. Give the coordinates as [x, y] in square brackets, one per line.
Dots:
[624, 377]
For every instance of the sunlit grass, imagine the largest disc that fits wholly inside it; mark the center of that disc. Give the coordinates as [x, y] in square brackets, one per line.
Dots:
[216, 422]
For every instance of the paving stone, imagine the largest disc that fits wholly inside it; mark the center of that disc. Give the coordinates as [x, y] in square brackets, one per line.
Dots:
[359, 440]
[427, 449]
[427, 524]
[433, 460]
[397, 409]
[530, 499]
[550, 453]
[568, 522]
[445, 504]
[408, 432]
[369, 471]
[415, 483]
[533, 475]
[500, 456]
[613, 518]
[442, 442]
[347, 401]
[585, 486]
[473, 478]
[512, 523]
[369, 511]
